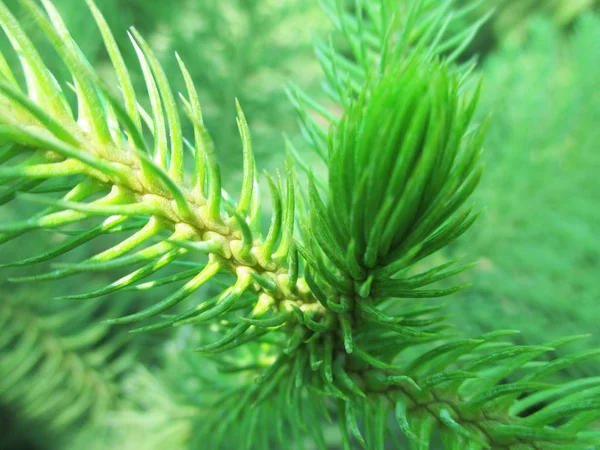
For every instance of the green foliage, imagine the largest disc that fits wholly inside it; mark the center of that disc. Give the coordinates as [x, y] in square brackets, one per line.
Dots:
[146, 17]
[59, 363]
[249, 50]
[562, 12]
[319, 315]
[395, 205]
[511, 20]
[238, 48]
[536, 242]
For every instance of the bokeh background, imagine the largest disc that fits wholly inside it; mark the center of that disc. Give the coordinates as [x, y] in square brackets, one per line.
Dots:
[537, 242]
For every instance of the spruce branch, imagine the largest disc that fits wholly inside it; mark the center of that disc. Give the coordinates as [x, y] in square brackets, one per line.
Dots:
[104, 147]
[325, 307]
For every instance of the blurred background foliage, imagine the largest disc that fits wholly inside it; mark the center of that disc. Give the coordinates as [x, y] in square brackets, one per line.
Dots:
[537, 241]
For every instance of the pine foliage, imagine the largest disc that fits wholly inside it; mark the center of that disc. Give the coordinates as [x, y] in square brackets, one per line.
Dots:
[326, 312]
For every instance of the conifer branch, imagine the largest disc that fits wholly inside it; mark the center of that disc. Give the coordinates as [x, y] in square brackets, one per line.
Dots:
[325, 306]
